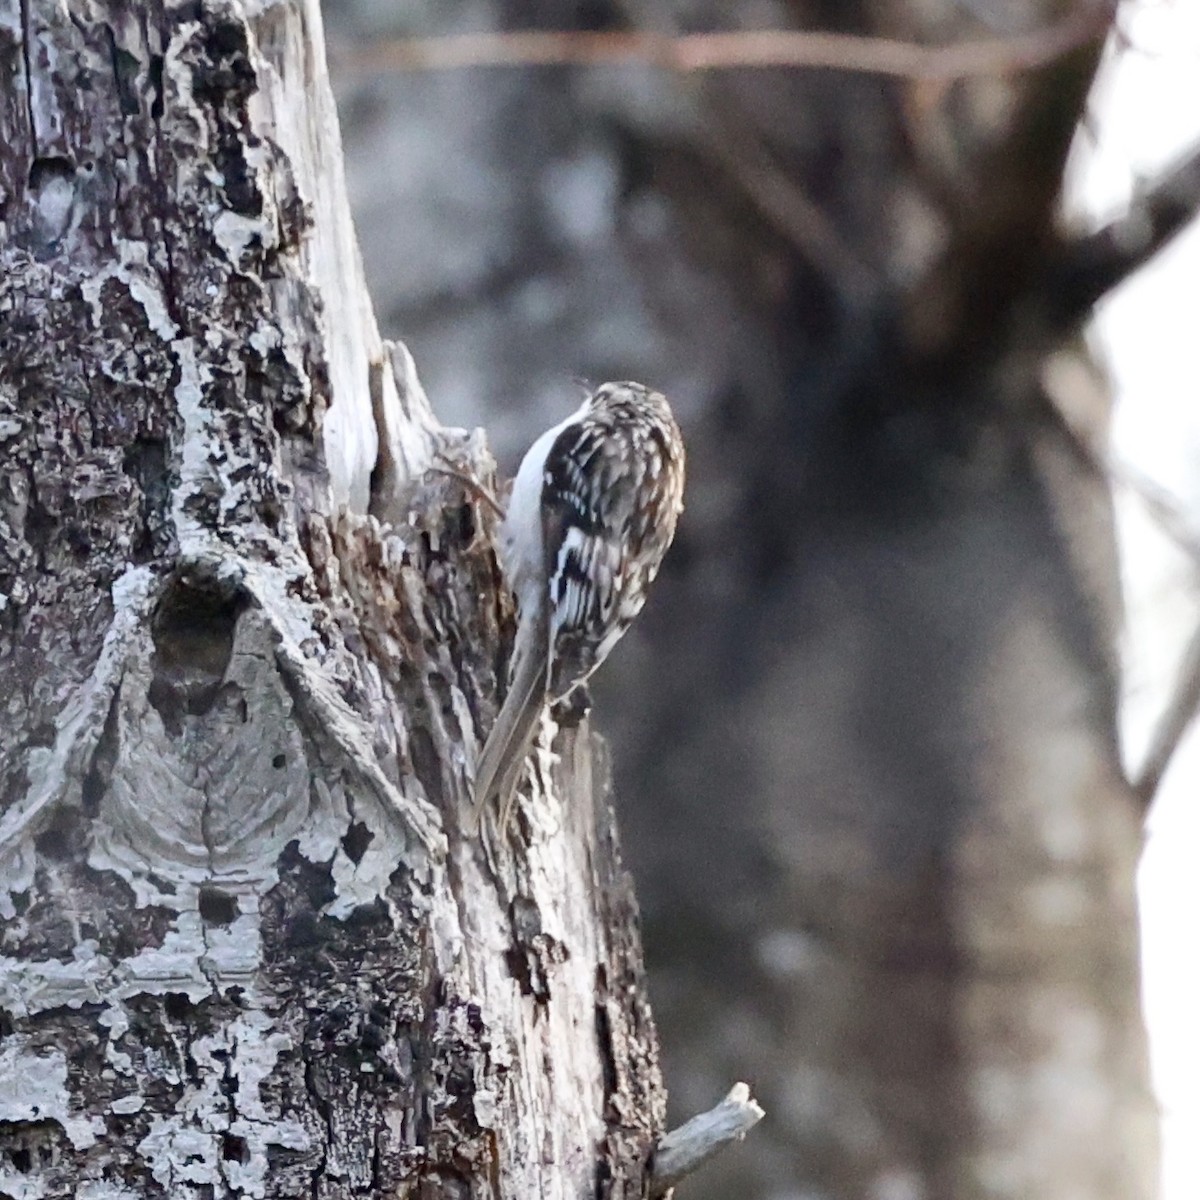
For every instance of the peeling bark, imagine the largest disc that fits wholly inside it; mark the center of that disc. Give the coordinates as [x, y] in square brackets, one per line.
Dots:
[248, 647]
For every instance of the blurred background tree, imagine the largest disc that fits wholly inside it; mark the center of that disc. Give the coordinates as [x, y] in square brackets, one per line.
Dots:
[865, 735]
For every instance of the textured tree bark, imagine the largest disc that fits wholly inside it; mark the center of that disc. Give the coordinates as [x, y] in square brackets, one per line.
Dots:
[247, 645]
[865, 730]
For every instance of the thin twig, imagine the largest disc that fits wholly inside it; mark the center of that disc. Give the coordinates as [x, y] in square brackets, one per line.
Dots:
[1184, 704]
[723, 51]
[782, 201]
[1160, 502]
[684, 1150]
[445, 467]
[1173, 724]
[1093, 265]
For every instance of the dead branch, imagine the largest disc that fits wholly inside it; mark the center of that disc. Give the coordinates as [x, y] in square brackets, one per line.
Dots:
[684, 1150]
[1093, 265]
[723, 51]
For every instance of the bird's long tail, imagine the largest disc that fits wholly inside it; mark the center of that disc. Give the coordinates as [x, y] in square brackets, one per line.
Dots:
[503, 759]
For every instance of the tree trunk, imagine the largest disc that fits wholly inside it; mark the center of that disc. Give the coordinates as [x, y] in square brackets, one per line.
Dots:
[247, 647]
[865, 730]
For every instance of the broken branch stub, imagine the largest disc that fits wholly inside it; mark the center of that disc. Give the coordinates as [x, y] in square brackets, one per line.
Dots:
[683, 1151]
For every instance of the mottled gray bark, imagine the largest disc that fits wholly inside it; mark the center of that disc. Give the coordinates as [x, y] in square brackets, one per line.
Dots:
[864, 732]
[247, 646]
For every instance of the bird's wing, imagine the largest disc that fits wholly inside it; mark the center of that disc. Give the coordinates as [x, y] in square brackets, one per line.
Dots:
[588, 506]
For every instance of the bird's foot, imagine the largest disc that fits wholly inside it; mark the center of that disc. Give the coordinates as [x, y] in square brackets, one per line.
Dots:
[571, 710]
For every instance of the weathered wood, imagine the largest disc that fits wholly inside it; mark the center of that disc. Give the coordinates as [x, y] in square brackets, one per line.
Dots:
[686, 1149]
[248, 645]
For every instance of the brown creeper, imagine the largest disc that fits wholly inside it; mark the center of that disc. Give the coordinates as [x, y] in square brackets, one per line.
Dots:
[592, 512]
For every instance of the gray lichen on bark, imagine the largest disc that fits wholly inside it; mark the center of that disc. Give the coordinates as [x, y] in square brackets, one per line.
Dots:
[248, 646]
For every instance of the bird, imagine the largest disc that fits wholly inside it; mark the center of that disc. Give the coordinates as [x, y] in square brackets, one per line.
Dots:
[592, 512]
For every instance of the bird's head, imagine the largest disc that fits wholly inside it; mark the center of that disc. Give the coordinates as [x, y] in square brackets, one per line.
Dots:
[630, 398]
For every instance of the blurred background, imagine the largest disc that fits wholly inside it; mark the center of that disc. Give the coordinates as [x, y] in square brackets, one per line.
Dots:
[865, 734]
